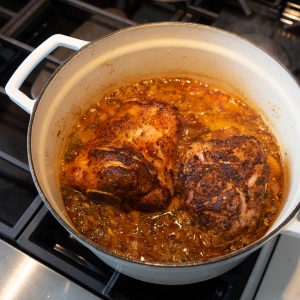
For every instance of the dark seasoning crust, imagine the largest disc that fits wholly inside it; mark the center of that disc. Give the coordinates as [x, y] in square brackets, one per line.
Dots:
[224, 183]
[174, 234]
[136, 151]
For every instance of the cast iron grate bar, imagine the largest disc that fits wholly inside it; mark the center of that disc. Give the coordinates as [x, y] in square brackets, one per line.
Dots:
[26, 48]
[12, 233]
[180, 12]
[25, 16]
[98, 11]
[6, 13]
[10, 159]
[111, 283]
[203, 12]
[245, 7]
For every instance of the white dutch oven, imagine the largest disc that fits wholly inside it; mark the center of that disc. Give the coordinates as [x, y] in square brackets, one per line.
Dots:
[148, 51]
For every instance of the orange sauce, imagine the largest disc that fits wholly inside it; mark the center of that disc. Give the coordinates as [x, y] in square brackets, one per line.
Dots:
[170, 235]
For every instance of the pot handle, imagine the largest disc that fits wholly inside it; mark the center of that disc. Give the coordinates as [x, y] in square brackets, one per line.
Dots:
[12, 87]
[293, 227]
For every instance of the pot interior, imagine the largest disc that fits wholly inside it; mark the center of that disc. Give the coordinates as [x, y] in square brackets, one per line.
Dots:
[158, 50]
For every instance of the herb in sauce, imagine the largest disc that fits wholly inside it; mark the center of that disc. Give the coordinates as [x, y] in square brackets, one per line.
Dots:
[172, 235]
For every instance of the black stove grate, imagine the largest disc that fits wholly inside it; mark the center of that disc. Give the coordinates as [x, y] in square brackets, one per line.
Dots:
[25, 27]
[24, 220]
[17, 196]
[18, 201]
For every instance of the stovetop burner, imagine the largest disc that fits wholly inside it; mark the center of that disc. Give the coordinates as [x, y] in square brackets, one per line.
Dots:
[24, 221]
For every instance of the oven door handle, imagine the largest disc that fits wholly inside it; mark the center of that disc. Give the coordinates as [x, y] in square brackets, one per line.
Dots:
[12, 87]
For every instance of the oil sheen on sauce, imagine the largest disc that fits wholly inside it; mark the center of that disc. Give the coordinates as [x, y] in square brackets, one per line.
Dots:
[171, 235]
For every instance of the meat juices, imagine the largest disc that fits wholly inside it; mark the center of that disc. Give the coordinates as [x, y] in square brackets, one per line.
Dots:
[181, 172]
[223, 182]
[132, 158]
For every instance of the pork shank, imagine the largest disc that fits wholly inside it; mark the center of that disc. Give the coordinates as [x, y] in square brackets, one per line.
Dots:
[223, 181]
[132, 158]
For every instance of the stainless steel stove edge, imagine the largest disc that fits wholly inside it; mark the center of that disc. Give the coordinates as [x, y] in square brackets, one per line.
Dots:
[24, 278]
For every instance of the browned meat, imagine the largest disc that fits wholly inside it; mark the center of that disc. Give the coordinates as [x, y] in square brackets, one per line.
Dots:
[132, 158]
[223, 181]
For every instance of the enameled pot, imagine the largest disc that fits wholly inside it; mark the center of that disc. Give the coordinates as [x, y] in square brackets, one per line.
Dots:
[143, 52]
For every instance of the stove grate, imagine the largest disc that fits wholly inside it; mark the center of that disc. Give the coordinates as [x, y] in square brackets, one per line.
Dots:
[33, 228]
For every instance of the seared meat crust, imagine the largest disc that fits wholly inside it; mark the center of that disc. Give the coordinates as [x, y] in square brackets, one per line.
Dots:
[132, 158]
[152, 129]
[223, 182]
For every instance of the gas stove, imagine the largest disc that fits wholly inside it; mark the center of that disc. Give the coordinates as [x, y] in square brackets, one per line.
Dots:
[30, 237]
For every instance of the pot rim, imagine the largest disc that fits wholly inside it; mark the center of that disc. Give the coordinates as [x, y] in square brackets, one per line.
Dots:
[211, 261]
